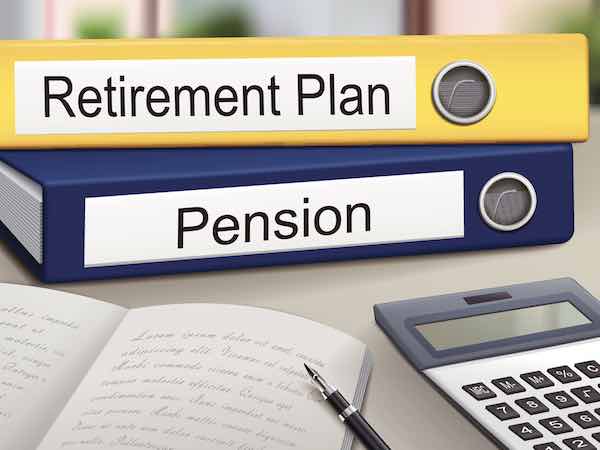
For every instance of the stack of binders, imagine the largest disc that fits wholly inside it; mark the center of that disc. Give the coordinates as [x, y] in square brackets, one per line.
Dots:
[136, 157]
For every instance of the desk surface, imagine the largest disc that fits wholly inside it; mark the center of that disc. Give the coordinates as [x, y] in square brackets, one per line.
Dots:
[400, 404]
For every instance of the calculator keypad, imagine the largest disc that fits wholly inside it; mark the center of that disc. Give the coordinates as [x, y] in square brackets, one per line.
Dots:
[552, 428]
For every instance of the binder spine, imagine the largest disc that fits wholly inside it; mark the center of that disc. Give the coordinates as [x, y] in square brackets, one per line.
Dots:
[548, 168]
[294, 91]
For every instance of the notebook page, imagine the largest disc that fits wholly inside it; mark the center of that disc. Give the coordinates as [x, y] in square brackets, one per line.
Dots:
[48, 341]
[184, 377]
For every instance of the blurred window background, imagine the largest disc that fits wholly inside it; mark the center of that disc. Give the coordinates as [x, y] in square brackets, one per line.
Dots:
[72, 19]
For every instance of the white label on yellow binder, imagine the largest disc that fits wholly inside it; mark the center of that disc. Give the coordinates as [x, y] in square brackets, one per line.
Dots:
[206, 223]
[202, 95]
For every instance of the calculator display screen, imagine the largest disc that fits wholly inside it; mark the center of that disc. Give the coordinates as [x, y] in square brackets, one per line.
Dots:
[490, 327]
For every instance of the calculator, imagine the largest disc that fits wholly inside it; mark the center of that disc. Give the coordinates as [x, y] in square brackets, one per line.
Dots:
[521, 362]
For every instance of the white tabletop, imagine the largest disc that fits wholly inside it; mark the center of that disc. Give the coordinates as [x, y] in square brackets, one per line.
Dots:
[406, 411]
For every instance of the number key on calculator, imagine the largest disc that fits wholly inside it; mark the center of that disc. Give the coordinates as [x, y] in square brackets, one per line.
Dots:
[532, 405]
[561, 399]
[546, 446]
[579, 443]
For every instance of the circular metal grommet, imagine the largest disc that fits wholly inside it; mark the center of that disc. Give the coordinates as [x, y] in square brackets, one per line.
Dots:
[464, 92]
[507, 201]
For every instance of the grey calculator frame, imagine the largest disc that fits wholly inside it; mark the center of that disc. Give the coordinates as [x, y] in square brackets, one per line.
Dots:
[399, 319]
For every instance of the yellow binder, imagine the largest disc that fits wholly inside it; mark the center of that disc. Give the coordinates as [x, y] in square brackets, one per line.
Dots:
[294, 91]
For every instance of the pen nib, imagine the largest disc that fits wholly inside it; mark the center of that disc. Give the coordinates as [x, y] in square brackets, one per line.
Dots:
[325, 388]
[311, 373]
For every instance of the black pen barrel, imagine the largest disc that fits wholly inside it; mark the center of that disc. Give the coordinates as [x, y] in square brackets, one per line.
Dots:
[363, 431]
[338, 402]
[355, 421]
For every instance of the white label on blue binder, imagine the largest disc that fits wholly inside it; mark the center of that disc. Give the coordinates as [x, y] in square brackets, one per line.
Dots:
[245, 220]
[203, 95]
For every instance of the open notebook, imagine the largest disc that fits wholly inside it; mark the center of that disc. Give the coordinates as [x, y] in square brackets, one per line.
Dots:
[77, 373]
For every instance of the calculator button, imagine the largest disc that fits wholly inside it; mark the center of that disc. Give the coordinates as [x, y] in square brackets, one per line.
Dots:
[587, 394]
[564, 374]
[585, 419]
[508, 385]
[532, 405]
[589, 368]
[537, 380]
[502, 411]
[556, 425]
[525, 431]
[596, 436]
[479, 391]
[546, 446]
[579, 443]
[561, 399]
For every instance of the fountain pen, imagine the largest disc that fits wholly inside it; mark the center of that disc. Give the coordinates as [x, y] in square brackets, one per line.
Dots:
[347, 413]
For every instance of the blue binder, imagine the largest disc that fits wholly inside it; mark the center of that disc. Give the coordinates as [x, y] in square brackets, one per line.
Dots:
[497, 211]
